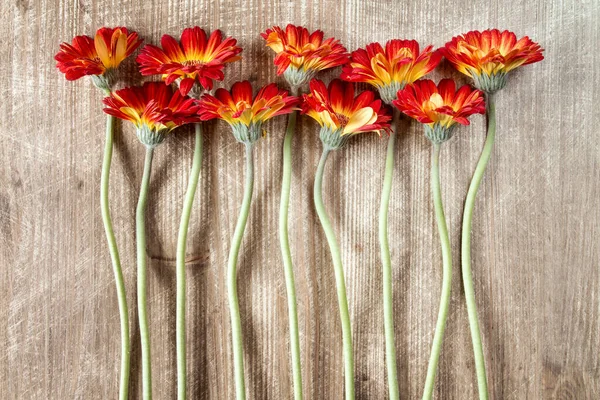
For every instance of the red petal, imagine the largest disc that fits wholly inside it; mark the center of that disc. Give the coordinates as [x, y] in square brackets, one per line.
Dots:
[185, 85]
[193, 40]
[171, 48]
[242, 91]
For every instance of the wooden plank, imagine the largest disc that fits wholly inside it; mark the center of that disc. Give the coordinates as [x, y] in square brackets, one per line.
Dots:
[535, 247]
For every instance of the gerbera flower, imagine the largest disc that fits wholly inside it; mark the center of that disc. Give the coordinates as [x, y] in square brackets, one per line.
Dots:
[96, 57]
[246, 113]
[440, 107]
[197, 59]
[155, 109]
[490, 55]
[342, 115]
[300, 54]
[487, 57]
[390, 69]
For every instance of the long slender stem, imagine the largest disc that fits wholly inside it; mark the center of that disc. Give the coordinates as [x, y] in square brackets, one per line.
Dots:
[116, 261]
[188, 202]
[467, 275]
[140, 222]
[234, 307]
[447, 274]
[288, 267]
[339, 277]
[388, 299]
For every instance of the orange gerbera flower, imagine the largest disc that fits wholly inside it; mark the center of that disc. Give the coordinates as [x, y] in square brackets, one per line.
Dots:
[342, 115]
[300, 54]
[197, 59]
[390, 69]
[440, 107]
[489, 55]
[243, 112]
[155, 109]
[96, 57]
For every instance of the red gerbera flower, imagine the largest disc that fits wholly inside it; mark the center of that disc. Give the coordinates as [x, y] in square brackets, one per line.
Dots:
[390, 69]
[489, 55]
[196, 59]
[300, 54]
[96, 57]
[342, 115]
[155, 109]
[244, 112]
[440, 107]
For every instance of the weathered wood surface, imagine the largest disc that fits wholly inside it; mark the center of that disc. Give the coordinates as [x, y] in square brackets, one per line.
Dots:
[536, 247]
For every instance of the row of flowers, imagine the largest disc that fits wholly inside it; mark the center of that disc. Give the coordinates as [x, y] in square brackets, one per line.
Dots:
[395, 70]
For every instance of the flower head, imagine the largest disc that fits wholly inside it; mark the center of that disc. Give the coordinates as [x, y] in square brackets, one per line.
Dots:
[342, 115]
[440, 107]
[246, 113]
[300, 54]
[197, 59]
[155, 109]
[390, 69]
[96, 57]
[490, 55]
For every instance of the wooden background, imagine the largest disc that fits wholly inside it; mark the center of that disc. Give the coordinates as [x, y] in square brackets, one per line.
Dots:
[536, 247]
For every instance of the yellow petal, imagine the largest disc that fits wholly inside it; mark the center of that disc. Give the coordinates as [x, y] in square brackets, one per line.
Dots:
[246, 117]
[102, 50]
[327, 120]
[275, 43]
[131, 113]
[380, 71]
[315, 115]
[120, 50]
[437, 100]
[362, 117]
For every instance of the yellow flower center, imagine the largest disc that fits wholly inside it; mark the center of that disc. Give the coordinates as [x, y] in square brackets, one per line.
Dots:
[192, 63]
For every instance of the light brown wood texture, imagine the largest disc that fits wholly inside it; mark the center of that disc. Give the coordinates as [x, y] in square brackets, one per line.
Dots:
[536, 231]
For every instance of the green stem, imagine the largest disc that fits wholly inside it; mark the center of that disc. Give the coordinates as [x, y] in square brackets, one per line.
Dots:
[288, 267]
[467, 275]
[388, 297]
[116, 261]
[234, 307]
[141, 282]
[447, 274]
[181, 250]
[339, 277]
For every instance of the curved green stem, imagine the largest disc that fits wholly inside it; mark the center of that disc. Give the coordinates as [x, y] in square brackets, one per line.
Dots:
[447, 274]
[188, 202]
[116, 261]
[140, 224]
[388, 297]
[339, 277]
[234, 307]
[288, 267]
[467, 275]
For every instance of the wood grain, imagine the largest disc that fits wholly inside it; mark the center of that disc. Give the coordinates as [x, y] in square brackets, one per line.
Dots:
[536, 247]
